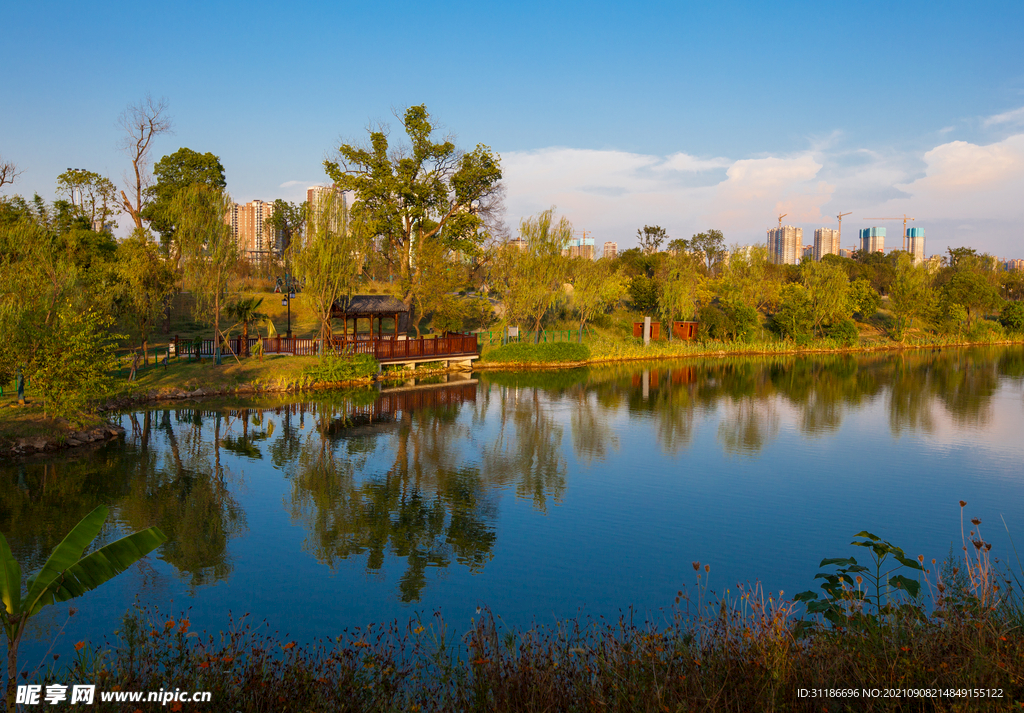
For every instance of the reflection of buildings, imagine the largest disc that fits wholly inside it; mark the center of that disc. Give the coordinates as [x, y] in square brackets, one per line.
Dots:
[785, 245]
[872, 240]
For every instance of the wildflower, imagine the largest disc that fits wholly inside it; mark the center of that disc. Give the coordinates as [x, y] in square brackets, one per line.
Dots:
[963, 503]
[79, 646]
[975, 521]
[696, 566]
[707, 568]
[418, 630]
[169, 624]
[204, 664]
[289, 645]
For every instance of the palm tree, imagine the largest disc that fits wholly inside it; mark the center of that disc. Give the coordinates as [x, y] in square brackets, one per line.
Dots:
[245, 312]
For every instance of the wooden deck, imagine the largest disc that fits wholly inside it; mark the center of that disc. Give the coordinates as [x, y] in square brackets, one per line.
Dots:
[450, 347]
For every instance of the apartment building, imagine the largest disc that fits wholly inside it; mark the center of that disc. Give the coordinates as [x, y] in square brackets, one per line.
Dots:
[785, 245]
[826, 242]
[872, 240]
[610, 250]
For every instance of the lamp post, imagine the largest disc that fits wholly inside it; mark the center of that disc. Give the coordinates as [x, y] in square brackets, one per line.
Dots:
[287, 301]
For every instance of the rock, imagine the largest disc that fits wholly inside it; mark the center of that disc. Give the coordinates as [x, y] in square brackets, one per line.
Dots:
[72, 442]
[38, 443]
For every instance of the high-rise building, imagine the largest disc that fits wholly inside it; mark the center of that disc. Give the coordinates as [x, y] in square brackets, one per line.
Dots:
[610, 250]
[249, 229]
[826, 242]
[872, 240]
[322, 199]
[785, 245]
[580, 247]
[1014, 265]
[915, 243]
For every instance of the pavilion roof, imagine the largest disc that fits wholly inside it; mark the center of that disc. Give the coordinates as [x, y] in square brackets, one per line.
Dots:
[369, 304]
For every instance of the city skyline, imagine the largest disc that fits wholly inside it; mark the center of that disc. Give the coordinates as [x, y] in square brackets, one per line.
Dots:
[706, 129]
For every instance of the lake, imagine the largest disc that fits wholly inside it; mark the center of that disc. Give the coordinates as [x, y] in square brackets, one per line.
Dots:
[538, 494]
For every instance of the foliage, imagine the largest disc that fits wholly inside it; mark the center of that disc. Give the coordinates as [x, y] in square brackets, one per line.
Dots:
[66, 574]
[683, 288]
[547, 352]
[644, 294]
[751, 278]
[289, 220]
[332, 369]
[175, 172]
[911, 295]
[596, 289]
[828, 292]
[794, 317]
[425, 191]
[1012, 317]
[651, 238]
[709, 246]
[448, 316]
[727, 319]
[245, 311]
[439, 274]
[973, 291]
[844, 331]
[208, 250]
[144, 283]
[72, 364]
[864, 300]
[530, 278]
[97, 196]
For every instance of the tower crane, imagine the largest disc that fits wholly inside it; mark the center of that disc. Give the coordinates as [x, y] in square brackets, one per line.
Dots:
[780, 219]
[904, 219]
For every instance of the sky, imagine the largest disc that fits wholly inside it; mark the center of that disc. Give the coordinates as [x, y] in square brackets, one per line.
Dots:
[685, 115]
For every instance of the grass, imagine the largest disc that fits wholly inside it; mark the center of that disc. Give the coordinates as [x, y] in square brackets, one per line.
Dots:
[745, 650]
[544, 353]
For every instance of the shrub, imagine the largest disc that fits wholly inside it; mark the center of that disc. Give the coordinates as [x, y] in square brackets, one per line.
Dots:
[1012, 317]
[333, 368]
[793, 318]
[644, 294]
[985, 331]
[844, 332]
[552, 352]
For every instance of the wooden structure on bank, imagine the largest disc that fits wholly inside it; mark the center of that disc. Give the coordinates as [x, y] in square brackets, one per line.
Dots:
[387, 347]
[372, 308]
[685, 331]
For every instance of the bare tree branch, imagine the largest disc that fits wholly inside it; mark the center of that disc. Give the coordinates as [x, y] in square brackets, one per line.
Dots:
[141, 121]
[8, 172]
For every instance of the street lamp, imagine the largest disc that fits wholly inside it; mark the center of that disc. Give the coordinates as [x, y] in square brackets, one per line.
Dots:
[289, 293]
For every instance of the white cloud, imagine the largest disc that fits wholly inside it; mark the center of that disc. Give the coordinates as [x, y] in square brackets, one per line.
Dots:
[612, 193]
[1015, 116]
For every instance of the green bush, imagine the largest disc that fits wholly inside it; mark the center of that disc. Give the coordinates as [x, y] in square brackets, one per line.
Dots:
[333, 368]
[985, 331]
[551, 352]
[844, 332]
[1012, 317]
[644, 294]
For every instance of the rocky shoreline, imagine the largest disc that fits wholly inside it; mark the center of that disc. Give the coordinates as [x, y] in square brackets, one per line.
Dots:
[73, 439]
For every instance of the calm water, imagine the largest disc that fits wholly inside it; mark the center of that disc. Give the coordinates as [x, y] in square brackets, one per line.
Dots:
[537, 494]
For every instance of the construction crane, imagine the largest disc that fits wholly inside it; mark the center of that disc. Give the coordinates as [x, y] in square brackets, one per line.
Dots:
[840, 218]
[904, 219]
[780, 219]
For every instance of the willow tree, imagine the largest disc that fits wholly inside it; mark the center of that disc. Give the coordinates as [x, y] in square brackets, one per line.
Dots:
[684, 287]
[530, 273]
[328, 259]
[596, 287]
[423, 191]
[208, 248]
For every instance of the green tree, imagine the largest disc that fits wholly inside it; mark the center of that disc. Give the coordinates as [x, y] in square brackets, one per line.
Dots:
[596, 288]
[144, 282]
[66, 574]
[828, 291]
[208, 250]
[289, 220]
[174, 172]
[751, 278]
[245, 312]
[428, 190]
[644, 294]
[1012, 317]
[911, 296]
[438, 276]
[93, 195]
[710, 247]
[972, 290]
[863, 298]
[650, 238]
[683, 289]
[530, 278]
[329, 260]
[795, 316]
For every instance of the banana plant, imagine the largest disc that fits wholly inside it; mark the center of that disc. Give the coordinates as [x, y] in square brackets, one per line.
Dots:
[65, 575]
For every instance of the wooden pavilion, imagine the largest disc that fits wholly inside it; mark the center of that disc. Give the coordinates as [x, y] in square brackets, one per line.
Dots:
[375, 309]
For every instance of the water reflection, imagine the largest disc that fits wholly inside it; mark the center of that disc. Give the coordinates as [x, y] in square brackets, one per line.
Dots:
[410, 481]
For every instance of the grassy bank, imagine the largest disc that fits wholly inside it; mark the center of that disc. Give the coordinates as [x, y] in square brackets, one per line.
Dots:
[957, 638]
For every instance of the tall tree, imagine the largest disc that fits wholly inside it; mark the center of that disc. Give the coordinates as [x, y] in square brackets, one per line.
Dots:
[828, 289]
[329, 260]
[650, 238]
[530, 278]
[684, 288]
[144, 281]
[289, 220]
[208, 249]
[95, 196]
[911, 295]
[141, 122]
[428, 190]
[595, 288]
[174, 172]
[710, 247]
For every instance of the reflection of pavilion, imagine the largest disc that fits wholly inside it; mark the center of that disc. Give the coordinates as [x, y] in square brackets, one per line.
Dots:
[385, 412]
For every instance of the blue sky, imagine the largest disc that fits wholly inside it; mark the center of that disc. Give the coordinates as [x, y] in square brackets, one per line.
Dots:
[685, 115]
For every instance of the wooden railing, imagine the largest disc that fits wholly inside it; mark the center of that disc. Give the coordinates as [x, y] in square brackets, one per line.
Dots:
[384, 350]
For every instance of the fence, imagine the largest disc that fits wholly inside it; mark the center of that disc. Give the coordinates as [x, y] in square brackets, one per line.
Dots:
[383, 350]
[546, 335]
